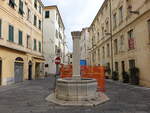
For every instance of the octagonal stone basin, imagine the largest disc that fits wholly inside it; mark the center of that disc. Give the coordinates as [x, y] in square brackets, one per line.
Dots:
[69, 89]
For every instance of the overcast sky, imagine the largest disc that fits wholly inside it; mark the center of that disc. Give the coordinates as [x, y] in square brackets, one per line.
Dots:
[76, 14]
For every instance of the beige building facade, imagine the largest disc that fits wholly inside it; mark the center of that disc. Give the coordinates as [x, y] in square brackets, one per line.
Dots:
[120, 35]
[20, 40]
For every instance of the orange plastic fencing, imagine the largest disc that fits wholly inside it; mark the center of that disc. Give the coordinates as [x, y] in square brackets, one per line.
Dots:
[95, 72]
[66, 71]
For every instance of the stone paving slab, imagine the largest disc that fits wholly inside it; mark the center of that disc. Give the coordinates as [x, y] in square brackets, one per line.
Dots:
[29, 97]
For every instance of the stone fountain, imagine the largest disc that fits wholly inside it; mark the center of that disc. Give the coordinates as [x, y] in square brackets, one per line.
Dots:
[76, 90]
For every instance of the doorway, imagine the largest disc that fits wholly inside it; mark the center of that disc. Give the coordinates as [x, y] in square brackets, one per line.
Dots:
[123, 66]
[18, 69]
[30, 71]
[18, 72]
[37, 70]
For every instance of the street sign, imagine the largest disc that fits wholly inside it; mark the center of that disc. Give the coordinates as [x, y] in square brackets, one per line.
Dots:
[57, 60]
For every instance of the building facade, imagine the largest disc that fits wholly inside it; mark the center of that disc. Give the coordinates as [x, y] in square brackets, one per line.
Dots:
[20, 40]
[120, 37]
[84, 45]
[54, 38]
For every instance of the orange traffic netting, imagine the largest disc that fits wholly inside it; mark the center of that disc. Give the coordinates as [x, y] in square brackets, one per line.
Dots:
[66, 71]
[96, 72]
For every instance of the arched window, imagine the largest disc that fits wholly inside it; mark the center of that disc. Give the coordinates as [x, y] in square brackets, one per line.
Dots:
[19, 59]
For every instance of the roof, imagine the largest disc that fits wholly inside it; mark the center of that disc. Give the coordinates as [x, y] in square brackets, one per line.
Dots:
[55, 7]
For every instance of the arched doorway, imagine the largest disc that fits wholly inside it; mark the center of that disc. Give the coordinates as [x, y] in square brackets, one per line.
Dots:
[30, 70]
[0, 71]
[18, 69]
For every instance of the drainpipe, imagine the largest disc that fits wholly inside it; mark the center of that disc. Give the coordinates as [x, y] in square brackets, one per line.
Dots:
[112, 59]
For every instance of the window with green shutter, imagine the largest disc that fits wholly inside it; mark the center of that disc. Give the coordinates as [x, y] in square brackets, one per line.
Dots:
[20, 38]
[11, 33]
[35, 20]
[12, 3]
[35, 4]
[39, 46]
[40, 24]
[0, 28]
[21, 7]
[35, 44]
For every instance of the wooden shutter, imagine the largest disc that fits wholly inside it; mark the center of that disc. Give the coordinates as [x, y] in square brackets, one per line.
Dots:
[11, 33]
[20, 38]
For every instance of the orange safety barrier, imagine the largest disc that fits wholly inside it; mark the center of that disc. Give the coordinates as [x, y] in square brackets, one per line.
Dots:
[66, 71]
[96, 72]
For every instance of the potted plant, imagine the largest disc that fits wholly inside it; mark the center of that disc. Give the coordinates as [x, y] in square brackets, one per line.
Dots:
[115, 75]
[125, 77]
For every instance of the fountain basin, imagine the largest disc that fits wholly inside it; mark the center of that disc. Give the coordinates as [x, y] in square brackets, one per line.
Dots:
[69, 89]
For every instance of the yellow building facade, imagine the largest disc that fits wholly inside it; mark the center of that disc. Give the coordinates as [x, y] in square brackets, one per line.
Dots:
[20, 40]
[120, 37]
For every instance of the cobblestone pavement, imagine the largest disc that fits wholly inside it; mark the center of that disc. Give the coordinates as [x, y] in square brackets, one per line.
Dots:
[29, 97]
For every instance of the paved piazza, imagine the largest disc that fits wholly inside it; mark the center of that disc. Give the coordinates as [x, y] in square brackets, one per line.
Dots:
[29, 97]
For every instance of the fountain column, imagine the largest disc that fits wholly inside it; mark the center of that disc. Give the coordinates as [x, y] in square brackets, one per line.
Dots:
[76, 54]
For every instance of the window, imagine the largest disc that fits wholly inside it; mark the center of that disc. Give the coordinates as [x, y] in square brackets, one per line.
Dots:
[121, 14]
[115, 20]
[35, 20]
[39, 46]
[130, 40]
[123, 66]
[11, 33]
[129, 7]
[107, 26]
[103, 32]
[20, 38]
[56, 34]
[46, 14]
[56, 49]
[70, 55]
[35, 47]
[116, 46]
[28, 41]
[103, 52]
[40, 24]
[149, 28]
[28, 14]
[0, 28]
[12, 3]
[21, 7]
[99, 54]
[35, 4]
[40, 9]
[121, 43]
[108, 50]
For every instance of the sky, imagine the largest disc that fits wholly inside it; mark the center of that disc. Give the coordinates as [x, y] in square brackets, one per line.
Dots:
[76, 14]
